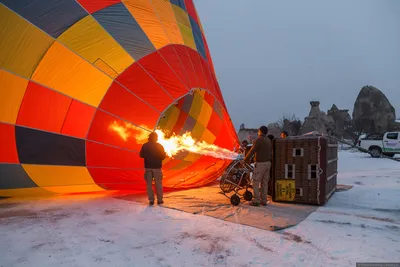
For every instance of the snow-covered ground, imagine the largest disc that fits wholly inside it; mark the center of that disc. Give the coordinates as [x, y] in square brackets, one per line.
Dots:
[358, 225]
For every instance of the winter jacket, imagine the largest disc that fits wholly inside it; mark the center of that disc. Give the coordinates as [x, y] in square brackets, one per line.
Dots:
[262, 149]
[153, 154]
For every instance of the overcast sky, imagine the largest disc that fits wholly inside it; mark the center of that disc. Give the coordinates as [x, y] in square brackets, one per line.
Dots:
[274, 57]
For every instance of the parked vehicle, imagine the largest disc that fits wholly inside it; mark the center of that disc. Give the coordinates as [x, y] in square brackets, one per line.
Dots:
[381, 144]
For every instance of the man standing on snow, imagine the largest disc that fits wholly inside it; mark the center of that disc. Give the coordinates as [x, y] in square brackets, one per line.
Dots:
[153, 154]
[262, 149]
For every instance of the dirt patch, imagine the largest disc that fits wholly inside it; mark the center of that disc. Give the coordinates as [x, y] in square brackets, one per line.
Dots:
[343, 187]
[295, 238]
[7, 205]
[211, 245]
[106, 241]
[377, 219]
[334, 222]
[397, 212]
[391, 227]
[358, 183]
[24, 215]
[17, 213]
[259, 245]
[109, 212]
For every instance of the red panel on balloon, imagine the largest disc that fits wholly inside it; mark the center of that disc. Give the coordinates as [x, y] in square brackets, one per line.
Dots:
[214, 124]
[156, 66]
[122, 103]
[207, 75]
[209, 98]
[170, 56]
[136, 80]
[8, 147]
[110, 130]
[222, 140]
[117, 179]
[171, 163]
[99, 155]
[94, 5]
[195, 57]
[191, 10]
[187, 65]
[180, 122]
[43, 108]
[78, 119]
[208, 54]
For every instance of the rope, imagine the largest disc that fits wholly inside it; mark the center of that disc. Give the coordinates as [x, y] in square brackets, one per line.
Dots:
[320, 170]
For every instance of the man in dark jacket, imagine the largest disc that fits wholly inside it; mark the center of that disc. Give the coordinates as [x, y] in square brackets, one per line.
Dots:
[153, 154]
[262, 149]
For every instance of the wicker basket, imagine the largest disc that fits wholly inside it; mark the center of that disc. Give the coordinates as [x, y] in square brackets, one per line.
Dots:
[305, 169]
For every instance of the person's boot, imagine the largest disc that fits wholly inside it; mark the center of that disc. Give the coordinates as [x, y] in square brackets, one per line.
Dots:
[151, 202]
[159, 202]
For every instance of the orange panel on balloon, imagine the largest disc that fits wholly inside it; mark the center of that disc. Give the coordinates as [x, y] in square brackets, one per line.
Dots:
[110, 130]
[43, 109]
[187, 65]
[124, 104]
[78, 119]
[195, 57]
[116, 179]
[136, 80]
[99, 155]
[8, 147]
[171, 57]
[156, 66]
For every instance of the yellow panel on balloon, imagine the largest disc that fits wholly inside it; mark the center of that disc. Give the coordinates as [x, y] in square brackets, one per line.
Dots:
[198, 130]
[205, 113]
[24, 192]
[66, 72]
[208, 137]
[12, 90]
[172, 118]
[166, 14]
[144, 14]
[181, 16]
[22, 45]
[88, 39]
[62, 179]
[195, 109]
[187, 35]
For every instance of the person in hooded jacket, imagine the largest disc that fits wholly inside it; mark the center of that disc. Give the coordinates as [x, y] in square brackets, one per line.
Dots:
[153, 154]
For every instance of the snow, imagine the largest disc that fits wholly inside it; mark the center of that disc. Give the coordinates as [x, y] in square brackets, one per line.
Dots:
[358, 225]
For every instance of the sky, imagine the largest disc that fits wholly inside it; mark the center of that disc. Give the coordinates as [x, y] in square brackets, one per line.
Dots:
[274, 57]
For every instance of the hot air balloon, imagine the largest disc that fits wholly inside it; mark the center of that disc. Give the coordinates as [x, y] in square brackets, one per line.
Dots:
[82, 82]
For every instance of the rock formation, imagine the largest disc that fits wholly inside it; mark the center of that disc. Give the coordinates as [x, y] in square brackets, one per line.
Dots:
[342, 120]
[317, 120]
[372, 111]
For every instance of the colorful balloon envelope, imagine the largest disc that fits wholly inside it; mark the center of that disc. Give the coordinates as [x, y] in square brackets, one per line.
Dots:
[83, 82]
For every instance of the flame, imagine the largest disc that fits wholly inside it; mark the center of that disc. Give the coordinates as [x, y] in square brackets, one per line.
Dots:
[173, 144]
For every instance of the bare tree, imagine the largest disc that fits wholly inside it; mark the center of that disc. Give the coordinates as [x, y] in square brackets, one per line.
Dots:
[290, 123]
